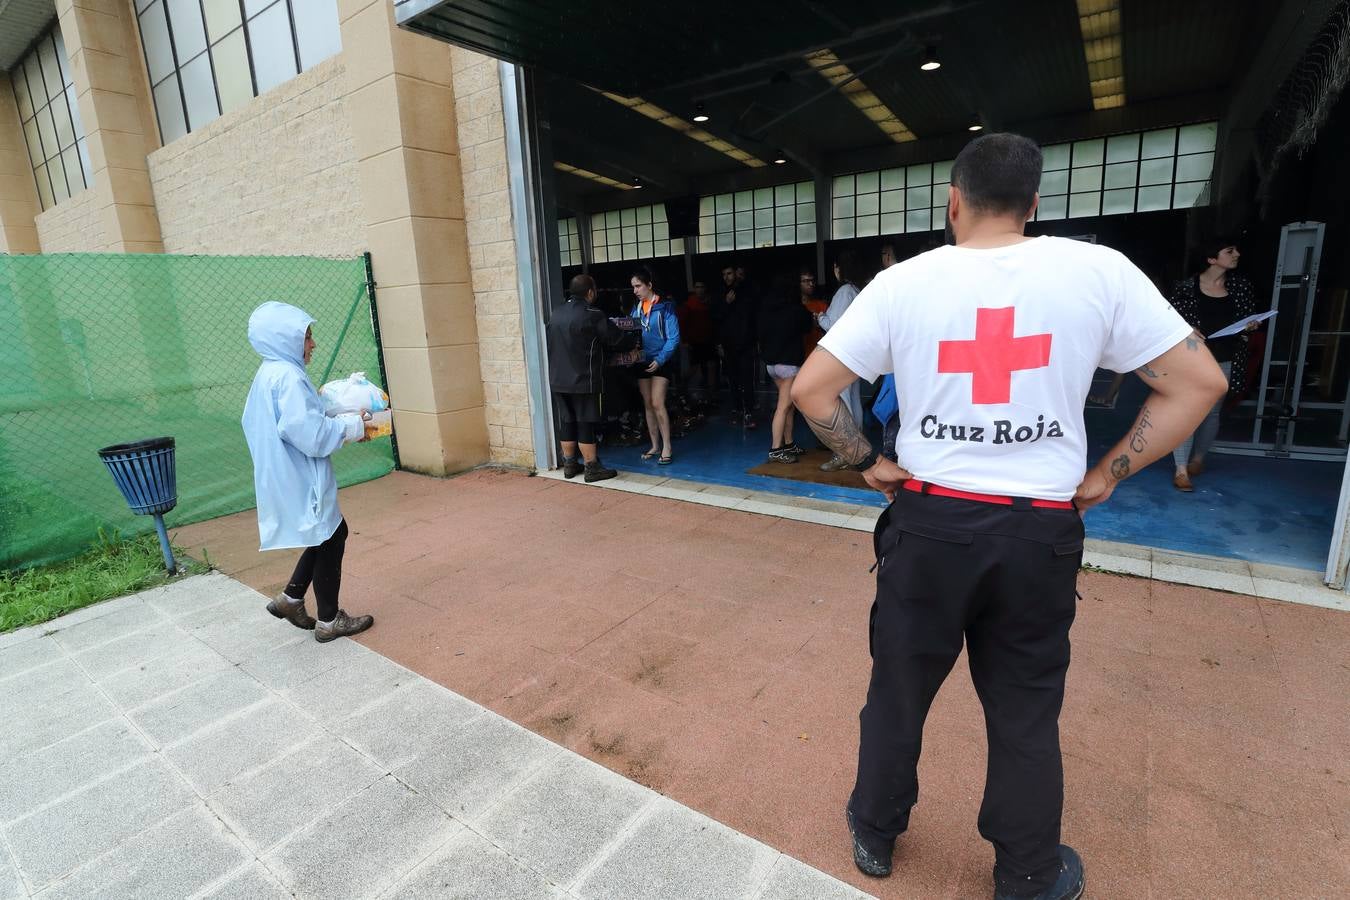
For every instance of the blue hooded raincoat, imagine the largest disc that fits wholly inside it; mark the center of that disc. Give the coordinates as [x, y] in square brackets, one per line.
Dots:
[289, 437]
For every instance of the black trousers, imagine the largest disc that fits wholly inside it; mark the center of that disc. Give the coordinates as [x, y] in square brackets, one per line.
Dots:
[321, 566]
[1002, 580]
[740, 367]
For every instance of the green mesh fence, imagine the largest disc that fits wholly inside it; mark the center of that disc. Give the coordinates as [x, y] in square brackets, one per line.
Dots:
[103, 349]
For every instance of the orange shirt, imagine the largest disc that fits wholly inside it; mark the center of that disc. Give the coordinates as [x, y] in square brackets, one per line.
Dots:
[812, 337]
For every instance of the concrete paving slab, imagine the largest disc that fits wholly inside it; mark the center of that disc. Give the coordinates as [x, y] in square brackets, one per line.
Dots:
[416, 719]
[470, 868]
[300, 660]
[42, 685]
[159, 638]
[335, 694]
[476, 764]
[176, 858]
[239, 640]
[15, 661]
[51, 715]
[37, 779]
[61, 837]
[364, 846]
[101, 623]
[791, 879]
[564, 815]
[672, 844]
[253, 882]
[196, 594]
[269, 804]
[180, 668]
[177, 716]
[11, 886]
[211, 758]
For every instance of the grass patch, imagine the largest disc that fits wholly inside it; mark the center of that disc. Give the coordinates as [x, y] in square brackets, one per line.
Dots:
[112, 567]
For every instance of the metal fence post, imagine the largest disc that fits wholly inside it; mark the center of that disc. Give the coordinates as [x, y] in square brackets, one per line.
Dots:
[379, 346]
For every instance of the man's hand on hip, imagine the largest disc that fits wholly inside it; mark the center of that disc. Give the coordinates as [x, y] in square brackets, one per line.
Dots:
[1095, 489]
[886, 477]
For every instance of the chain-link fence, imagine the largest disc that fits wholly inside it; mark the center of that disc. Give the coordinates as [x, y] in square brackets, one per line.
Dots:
[103, 349]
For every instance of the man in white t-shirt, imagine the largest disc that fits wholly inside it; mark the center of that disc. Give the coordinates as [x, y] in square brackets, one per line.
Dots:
[993, 343]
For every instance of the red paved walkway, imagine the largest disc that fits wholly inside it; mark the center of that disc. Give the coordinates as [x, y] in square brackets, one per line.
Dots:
[721, 658]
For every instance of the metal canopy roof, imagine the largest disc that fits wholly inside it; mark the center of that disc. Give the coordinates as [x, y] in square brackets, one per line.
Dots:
[1014, 65]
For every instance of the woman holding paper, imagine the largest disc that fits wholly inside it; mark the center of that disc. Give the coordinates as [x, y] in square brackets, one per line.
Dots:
[1210, 301]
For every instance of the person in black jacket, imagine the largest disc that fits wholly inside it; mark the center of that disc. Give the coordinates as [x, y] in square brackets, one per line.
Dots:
[734, 318]
[783, 323]
[578, 334]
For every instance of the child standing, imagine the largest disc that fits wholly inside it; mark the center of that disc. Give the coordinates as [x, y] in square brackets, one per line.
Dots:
[291, 440]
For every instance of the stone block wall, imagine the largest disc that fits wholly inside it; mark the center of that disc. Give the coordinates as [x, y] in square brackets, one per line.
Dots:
[492, 249]
[73, 226]
[277, 176]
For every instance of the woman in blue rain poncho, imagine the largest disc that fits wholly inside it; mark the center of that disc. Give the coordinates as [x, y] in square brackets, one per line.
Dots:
[291, 440]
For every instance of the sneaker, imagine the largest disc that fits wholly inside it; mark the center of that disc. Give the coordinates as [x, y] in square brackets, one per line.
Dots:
[596, 471]
[1068, 886]
[833, 464]
[782, 455]
[292, 610]
[795, 449]
[342, 625]
[572, 467]
[870, 860]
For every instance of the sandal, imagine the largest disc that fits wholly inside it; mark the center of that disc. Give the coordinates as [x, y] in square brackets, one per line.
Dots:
[665, 460]
[650, 454]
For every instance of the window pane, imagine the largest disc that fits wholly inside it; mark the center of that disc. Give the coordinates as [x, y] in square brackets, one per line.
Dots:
[726, 241]
[1122, 175]
[943, 171]
[44, 187]
[843, 185]
[232, 77]
[868, 183]
[646, 249]
[20, 82]
[1088, 153]
[1122, 148]
[843, 228]
[919, 176]
[1159, 143]
[786, 215]
[919, 198]
[34, 142]
[745, 240]
[892, 223]
[612, 219]
[806, 191]
[1085, 205]
[744, 201]
[37, 89]
[57, 170]
[84, 162]
[253, 7]
[627, 218]
[723, 224]
[1052, 208]
[1056, 156]
[763, 198]
[706, 206]
[141, 5]
[867, 226]
[744, 221]
[706, 243]
[222, 17]
[1156, 171]
[892, 179]
[1196, 167]
[62, 59]
[185, 21]
[630, 251]
[1187, 195]
[1055, 182]
[892, 201]
[705, 225]
[784, 235]
[1089, 179]
[200, 92]
[155, 36]
[1154, 198]
[764, 218]
[1116, 202]
[1198, 138]
[763, 237]
[273, 54]
[784, 195]
[51, 72]
[661, 231]
[868, 204]
[75, 172]
[169, 106]
[725, 204]
[806, 234]
[806, 212]
[47, 132]
[73, 104]
[65, 129]
[939, 219]
[843, 207]
[917, 220]
[644, 233]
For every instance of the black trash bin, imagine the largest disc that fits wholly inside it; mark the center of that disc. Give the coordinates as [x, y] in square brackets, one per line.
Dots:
[145, 473]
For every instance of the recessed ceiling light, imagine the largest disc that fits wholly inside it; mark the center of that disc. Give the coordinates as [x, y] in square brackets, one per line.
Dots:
[699, 114]
[930, 59]
[975, 126]
[779, 160]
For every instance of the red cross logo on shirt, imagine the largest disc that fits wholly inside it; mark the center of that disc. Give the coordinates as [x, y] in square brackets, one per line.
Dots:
[994, 355]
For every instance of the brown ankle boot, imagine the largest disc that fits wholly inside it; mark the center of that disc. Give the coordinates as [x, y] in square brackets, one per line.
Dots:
[341, 626]
[292, 610]
[1182, 482]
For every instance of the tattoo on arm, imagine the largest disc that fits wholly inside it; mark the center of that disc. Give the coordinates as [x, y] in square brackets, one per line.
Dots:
[1148, 372]
[1120, 467]
[1193, 341]
[842, 435]
[1139, 438]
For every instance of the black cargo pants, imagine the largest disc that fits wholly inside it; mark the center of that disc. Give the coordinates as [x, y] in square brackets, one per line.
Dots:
[1002, 579]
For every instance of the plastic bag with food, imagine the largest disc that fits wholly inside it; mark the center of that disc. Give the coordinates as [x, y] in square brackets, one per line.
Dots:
[357, 394]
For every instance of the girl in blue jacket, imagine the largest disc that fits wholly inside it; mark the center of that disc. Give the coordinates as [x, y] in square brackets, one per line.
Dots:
[291, 440]
[660, 342]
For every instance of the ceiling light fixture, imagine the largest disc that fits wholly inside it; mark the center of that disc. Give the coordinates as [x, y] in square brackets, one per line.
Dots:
[688, 129]
[780, 159]
[700, 115]
[637, 183]
[977, 125]
[591, 176]
[1099, 21]
[833, 70]
[930, 59]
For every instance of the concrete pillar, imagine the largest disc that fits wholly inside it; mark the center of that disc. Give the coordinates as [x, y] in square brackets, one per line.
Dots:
[401, 103]
[107, 66]
[19, 205]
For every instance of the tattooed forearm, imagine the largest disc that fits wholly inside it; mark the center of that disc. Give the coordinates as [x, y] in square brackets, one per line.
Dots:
[1139, 437]
[1148, 372]
[1120, 467]
[841, 434]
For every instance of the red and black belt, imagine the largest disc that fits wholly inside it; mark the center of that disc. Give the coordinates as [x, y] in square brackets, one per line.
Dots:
[935, 490]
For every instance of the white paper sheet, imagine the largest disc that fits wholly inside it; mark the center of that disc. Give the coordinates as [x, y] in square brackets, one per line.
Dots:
[1242, 324]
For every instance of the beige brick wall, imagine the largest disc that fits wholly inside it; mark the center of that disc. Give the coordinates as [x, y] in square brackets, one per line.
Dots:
[487, 208]
[277, 176]
[74, 226]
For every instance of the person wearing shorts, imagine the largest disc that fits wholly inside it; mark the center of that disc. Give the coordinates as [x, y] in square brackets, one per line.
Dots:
[783, 325]
[660, 341]
[578, 335]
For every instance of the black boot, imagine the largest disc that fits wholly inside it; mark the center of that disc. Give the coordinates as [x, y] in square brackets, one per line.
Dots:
[596, 471]
[572, 466]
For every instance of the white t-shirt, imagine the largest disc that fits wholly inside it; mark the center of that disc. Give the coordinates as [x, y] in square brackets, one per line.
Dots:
[993, 353]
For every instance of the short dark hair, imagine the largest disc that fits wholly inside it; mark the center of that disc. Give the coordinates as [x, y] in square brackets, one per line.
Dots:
[1211, 247]
[644, 275]
[580, 285]
[999, 174]
[847, 261]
